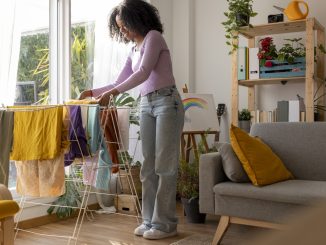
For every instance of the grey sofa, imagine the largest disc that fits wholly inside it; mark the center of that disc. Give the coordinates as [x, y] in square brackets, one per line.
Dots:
[301, 147]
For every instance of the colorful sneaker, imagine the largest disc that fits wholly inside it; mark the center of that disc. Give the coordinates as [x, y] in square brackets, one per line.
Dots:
[139, 231]
[154, 234]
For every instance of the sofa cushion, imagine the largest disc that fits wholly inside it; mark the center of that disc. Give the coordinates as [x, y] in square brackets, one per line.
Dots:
[231, 164]
[303, 192]
[261, 164]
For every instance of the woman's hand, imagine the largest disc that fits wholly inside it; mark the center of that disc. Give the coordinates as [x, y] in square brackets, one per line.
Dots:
[104, 99]
[85, 94]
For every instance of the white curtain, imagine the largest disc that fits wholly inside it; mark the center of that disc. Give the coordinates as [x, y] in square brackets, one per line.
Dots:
[9, 51]
[109, 55]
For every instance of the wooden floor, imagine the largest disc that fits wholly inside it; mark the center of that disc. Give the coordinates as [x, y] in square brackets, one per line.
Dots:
[114, 229]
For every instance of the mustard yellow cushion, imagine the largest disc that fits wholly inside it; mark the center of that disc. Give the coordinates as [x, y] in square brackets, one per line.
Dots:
[261, 164]
[8, 208]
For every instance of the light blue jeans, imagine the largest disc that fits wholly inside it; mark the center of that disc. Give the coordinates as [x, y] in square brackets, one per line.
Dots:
[161, 124]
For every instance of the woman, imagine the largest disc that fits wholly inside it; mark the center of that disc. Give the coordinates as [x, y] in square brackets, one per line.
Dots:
[161, 111]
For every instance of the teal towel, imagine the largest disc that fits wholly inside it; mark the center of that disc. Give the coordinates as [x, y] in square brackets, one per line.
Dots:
[96, 143]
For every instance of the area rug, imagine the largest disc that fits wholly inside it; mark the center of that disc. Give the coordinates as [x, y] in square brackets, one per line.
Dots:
[196, 239]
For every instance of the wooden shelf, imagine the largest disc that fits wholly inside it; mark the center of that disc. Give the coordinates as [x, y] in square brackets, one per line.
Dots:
[278, 28]
[266, 81]
[315, 34]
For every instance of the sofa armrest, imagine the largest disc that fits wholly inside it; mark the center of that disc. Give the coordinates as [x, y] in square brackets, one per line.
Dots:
[210, 173]
[5, 193]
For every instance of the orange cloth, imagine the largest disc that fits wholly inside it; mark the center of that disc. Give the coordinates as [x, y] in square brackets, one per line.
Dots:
[41, 178]
[109, 122]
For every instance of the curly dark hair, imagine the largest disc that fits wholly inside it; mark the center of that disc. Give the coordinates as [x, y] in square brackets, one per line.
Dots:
[137, 16]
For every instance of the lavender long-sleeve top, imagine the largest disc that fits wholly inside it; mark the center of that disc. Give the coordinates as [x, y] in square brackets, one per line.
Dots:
[151, 67]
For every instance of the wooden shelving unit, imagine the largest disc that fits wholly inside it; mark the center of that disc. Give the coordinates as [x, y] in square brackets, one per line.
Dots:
[311, 80]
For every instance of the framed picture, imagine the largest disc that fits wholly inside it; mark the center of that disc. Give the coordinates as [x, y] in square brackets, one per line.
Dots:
[200, 112]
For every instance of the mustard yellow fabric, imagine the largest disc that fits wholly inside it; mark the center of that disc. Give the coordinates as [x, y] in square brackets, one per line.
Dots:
[261, 164]
[37, 133]
[8, 208]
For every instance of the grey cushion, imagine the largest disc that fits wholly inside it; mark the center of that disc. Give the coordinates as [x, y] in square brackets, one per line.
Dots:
[278, 212]
[303, 192]
[231, 164]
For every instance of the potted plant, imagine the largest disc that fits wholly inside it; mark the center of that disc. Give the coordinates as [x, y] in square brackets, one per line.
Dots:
[188, 189]
[238, 15]
[267, 51]
[292, 50]
[188, 185]
[244, 120]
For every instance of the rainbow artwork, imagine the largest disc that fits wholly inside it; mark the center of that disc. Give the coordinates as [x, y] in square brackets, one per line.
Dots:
[194, 102]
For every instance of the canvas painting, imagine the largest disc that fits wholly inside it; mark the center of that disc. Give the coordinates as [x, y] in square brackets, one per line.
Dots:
[200, 112]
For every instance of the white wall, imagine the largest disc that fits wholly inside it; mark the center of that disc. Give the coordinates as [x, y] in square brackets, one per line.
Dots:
[200, 55]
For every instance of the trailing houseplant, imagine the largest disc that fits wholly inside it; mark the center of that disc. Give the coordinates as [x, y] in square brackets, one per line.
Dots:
[238, 15]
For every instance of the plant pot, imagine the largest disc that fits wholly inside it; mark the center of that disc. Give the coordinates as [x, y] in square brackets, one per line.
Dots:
[245, 125]
[242, 19]
[316, 116]
[191, 207]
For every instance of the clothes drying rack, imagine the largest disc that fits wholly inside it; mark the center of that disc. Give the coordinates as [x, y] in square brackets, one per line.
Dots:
[85, 189]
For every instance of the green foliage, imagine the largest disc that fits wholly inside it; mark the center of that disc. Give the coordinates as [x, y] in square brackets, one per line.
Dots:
[244, 115]
[33, 48]
[82, 58]
[71, 198]
[291, 50]
[125, 99]
[34, 60]
[232, 23]
[188, 179]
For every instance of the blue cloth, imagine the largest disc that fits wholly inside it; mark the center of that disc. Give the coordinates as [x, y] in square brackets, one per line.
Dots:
[96, 143]
[77, 136]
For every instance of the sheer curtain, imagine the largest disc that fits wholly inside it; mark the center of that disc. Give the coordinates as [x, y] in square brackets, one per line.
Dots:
[109, 55]
[9, 50]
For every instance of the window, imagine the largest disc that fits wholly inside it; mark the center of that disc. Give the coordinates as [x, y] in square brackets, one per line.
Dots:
[33, 65]
[24, 37]
[53, 57]
[96, 59]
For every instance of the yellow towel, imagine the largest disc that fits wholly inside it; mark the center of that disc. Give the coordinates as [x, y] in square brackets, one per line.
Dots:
[37, 134]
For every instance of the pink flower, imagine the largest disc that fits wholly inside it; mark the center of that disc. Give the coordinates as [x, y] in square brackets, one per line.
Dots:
[268, 63]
